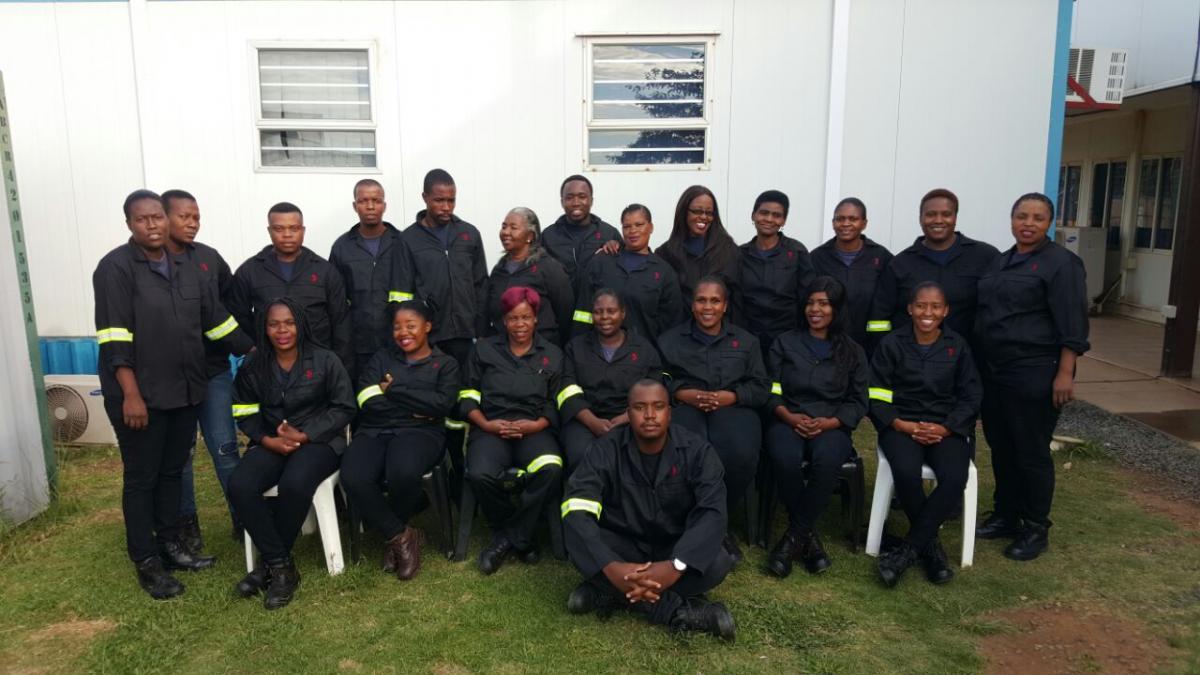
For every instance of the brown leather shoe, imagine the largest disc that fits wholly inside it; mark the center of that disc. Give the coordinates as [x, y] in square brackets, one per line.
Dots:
[407, 551]
[389, 553]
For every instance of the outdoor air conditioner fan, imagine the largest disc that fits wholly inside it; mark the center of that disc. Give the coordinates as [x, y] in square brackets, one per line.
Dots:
[77, 410]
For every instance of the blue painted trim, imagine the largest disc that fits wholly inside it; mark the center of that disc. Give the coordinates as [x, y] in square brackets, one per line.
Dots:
[1058, 102]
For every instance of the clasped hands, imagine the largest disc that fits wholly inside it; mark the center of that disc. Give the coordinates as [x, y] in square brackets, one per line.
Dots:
[642, 582]
[287, 439]
[706, 401]
[925, 433]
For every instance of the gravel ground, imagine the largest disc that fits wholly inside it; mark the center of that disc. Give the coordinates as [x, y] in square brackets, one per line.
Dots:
[1134, 444]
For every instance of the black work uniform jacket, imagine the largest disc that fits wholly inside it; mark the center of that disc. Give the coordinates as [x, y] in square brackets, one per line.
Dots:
[653, 302]
[371, 282]
[692, 268]
[772, 291]
[807, 384]
[315, 285]
[959, 277]
[508, 387]
[940, 385]
[677, 514]
[158, 327]
[422, 394]
[544, 275]
[450, 279]
[316, 398]
[860, 280]
[574, 252]
[1031, 308]
[591, 383]
[734, 362]
[212, 267]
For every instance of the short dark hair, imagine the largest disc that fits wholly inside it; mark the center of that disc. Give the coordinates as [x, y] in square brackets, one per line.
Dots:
[714, 279]
[137, 196]
[572, 178]
[647, 382]
[417, 306]
[608, 292]
[1033, 197]
[284, 207]
[937, 193]
[856, 203]
[925, 286]
[773, 196]
[436, 177]
[175, 194]
[634, 208]
[366, 182]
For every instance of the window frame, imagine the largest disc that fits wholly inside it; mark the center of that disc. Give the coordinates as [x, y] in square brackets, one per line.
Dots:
[704, 123]
[269, 124]
[1106, 212]
[1060, 218]
[1154, 248]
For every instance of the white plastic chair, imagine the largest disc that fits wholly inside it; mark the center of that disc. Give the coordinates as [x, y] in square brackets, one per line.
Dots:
[322, 517]
[882, 502]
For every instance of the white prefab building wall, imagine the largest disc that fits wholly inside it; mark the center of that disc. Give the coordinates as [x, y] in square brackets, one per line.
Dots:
[106, 97]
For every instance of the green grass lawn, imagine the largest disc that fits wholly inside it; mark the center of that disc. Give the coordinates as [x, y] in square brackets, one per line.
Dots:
[71, 603]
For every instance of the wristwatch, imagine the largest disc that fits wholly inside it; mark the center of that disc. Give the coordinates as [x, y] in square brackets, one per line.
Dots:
[679, 565]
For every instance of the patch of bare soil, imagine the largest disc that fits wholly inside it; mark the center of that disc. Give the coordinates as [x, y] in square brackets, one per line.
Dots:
[55, 647]
[1163, 498]
[1055, 640]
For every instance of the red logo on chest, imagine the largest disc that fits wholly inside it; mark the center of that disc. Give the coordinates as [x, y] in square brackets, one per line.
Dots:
[674, 470]
[950, 351]
[313, 277]
[533, 269]
[657, 276]
[597, 236]
[436, 365]
[734, 344]
[308, 374]
[545, 361]
[875, 261]
[1033, 267]
[204, 266]
[464, 236]
[791, 254]
[633, 356]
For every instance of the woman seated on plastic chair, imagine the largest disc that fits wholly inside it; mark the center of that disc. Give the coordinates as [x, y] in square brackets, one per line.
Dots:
[508, 397]
[405, 393]
[818, 397]
[601, 365]
[293, 401]
[924, 397]
[719, 384]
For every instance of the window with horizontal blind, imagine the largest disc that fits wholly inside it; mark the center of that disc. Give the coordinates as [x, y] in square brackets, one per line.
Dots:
[315, 109]
[648, 102]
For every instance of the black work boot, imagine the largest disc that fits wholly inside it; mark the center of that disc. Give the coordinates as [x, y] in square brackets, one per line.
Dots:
[731, 547]
[933, 559]
[254, 582]
[492, 557]
[281, 588]
[529, 556]
[177, 556]
[189, 533]
[812, 553]
[997, 526]
[895, 562]
[702, 616]
[1031, 543]
[779, 560]
[155, 580]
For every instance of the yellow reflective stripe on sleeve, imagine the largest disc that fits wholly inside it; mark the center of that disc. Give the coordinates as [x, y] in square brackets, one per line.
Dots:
[368, 394]
[881, 394]
[588, 505]
[473, 394]
[399, 296]
[542, 461]
[245, 409]
[454, 425]
[777, 389]
[879, 326]
[113, 335]
[582, 316]
[567, 392]
[227, 326]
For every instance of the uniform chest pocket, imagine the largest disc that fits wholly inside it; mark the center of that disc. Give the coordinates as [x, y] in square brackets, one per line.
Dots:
[422, 379]
[939, 372]
[674, 496]
[733, 365]
[307, 290]
[1019, 292]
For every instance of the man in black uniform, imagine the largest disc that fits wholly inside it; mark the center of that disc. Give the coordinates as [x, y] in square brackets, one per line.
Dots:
[578, 234]
[373, 263]
[286, 269]
[153, 315]
[856, 262]
[644, 517]
[216, 420]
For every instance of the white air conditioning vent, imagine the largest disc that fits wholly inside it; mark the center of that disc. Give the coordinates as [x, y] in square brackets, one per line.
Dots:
[1100, 73]
[77, 410]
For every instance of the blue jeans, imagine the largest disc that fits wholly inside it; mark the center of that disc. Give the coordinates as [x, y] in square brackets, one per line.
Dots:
[216, 423]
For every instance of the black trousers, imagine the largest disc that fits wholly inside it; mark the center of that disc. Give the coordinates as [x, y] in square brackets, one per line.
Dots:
[152, 462]
[1018, 421]
[395, 462]
[489, 457]
[736, 433]
[949, 460]
[806, 496]
[576, 439]
[274, 523]
[690, 585]
[460, 349]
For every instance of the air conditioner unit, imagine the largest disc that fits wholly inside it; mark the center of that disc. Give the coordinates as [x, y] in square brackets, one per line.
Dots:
[77, 410]
[1096, 78]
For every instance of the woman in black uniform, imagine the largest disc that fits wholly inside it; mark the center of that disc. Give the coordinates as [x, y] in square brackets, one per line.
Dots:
[526, 263]
[1031, 325]
[818, 397]
[508, 398]
[405, 392]
[648, 286]
[925, 396]
[599, 368]
[718, 383]
[856, 262]
[699, 246]
[293, 401]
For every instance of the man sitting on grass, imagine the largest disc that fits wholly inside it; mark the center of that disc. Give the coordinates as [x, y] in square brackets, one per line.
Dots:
[644, 517]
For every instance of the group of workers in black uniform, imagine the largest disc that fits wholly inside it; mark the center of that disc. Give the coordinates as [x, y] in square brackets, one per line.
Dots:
[636, 388]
